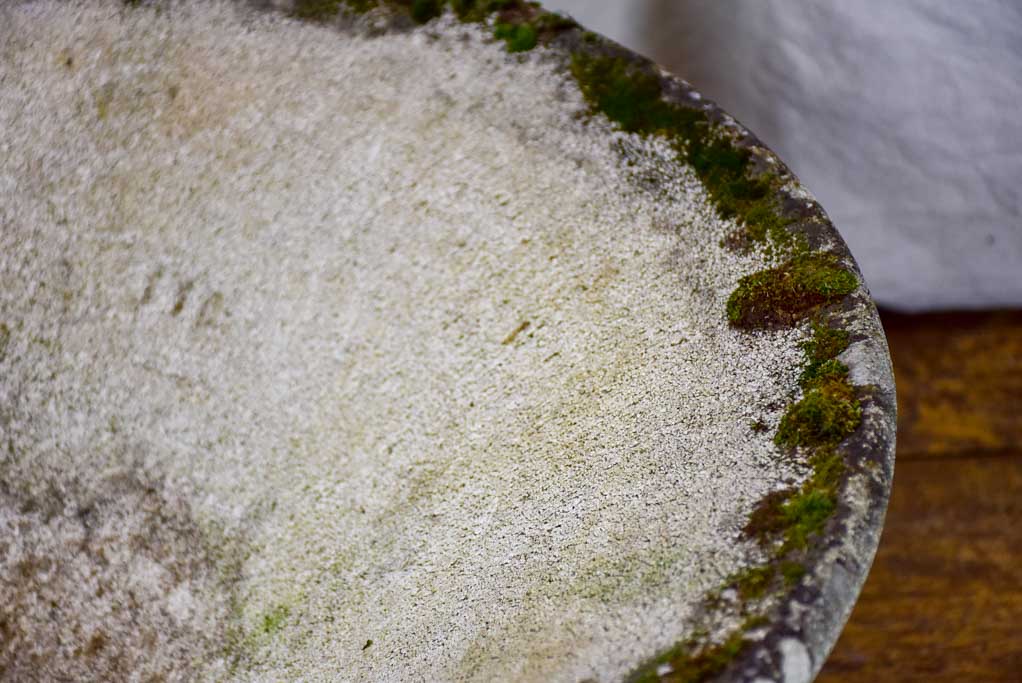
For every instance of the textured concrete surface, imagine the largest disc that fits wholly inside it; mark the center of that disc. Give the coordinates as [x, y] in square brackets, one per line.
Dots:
[335, 356]
[382, 311]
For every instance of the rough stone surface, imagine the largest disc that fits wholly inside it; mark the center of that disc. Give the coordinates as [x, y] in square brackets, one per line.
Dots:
[387, 313]
[368, 356]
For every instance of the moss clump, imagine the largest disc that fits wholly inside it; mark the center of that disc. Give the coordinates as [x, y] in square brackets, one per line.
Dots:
[783, 295]
[766, 520]
[5, 339]
[689, 665]
[806, 514]
[752, 583]
[424, 10]
[828, 468]
[792, 573]
[821, 353]
[794, 516]
[519, 37]
[827, 413]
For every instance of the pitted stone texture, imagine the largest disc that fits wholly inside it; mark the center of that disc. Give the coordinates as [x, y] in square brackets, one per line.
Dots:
[395, 312]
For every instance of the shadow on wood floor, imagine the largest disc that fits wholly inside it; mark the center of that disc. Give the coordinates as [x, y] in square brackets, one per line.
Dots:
[944, 599]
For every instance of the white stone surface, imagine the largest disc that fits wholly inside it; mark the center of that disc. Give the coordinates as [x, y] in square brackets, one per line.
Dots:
[796, 667]
[385, 322]
[901, 117]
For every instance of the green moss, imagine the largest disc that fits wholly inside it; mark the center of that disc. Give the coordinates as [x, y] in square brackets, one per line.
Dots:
[689, 664]
[821, 353]
[764, 224]
[792, 573]
[766, 520]
[5, 339]
[827, 413]
[519, 37]
[783, 295]
[795, 516]
[752, 583]
[424, 10]
[828, 468]
[805, 514]
[630, 97]
[826, 343]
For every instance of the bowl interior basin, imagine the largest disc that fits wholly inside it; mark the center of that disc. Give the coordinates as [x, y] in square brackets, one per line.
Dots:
[336, 354]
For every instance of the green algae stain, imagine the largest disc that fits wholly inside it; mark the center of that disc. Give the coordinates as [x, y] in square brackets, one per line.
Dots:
[274, 620]
[104, 97]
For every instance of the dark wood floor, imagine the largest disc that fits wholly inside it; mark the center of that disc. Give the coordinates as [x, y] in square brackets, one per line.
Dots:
[944, 599]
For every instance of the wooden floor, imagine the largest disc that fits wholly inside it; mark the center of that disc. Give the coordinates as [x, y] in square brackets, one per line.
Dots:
[944, 599]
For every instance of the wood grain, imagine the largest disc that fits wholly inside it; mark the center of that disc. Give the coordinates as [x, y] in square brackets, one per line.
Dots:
[959, 379]
[944, 599]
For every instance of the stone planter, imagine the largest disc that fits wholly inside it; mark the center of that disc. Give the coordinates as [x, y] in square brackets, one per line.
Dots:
[402, 341]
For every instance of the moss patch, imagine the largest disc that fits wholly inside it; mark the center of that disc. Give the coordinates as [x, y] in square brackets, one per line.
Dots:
[424, 10]
[519, 37]
[826, 414]
[784, 295]
[752, 583]
[821, 353]
[792, 573]
[689, 664]
[766, 520]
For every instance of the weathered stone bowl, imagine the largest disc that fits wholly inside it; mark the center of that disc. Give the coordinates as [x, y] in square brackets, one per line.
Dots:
[424, 340]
